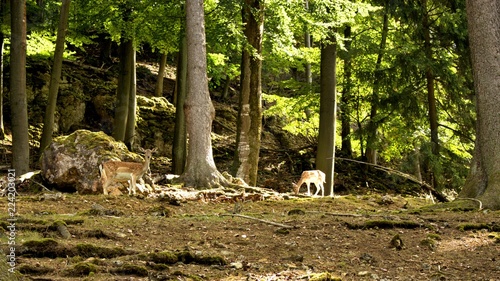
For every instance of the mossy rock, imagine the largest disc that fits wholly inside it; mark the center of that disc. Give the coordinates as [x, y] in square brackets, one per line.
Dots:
[29, 269]
[163, 257]
[89, 250]
[81, 269]
[44, 248]
[131, 269]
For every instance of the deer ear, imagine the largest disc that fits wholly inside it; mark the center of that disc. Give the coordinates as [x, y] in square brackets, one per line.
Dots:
[141, 149]
[154, 150]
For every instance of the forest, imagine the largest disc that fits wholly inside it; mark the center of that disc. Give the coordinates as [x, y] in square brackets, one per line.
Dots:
[387, 105]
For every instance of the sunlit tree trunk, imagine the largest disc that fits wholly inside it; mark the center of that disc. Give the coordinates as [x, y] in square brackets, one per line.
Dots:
[483, 181]
[250, 108]
[18, 103]
[161, 74]
[307, 40]
[325, 158]
[55, 77]
[200, 171]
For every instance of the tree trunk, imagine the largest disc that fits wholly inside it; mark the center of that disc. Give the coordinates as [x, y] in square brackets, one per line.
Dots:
[246, 160]
[123, 91]
[345, 106]
[371, 138]
[325, 158]
[3, 4]
[161, 74]
[55, 77]
[200, 168]
[132, 100]
[179, 149]
[307, 39]
[18, 103]
[483, 181]
[431, 99]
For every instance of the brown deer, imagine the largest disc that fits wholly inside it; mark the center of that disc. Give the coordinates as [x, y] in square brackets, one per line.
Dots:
[118, 171]
[313, 176]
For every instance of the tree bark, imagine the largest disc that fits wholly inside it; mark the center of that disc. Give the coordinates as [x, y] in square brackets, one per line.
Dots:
[55, 77]
[483, 181]
[123, 91]
[246, 161]
[179, 149]
[325, 158]
[18, 103]
[161, 74]
[132, 100]
[200, 171]
[431, 99]
[371, 139]
[345, 106]
[3, 4]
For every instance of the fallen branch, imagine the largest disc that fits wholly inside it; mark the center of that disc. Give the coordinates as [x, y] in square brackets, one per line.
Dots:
[427, 186]
[260, 220]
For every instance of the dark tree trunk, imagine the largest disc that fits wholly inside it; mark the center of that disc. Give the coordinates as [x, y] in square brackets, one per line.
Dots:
[18, 103]
[179, 149]
[345, 103]
[327, 110]
[246, 161]
[55, 77]
[132, 100]
[161, 73]
[123, 91]
[3, 3]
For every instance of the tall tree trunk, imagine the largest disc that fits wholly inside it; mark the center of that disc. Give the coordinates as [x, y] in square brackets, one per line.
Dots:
[55, 77]
[325, 158]
[161, 74]
[2, 45]
[200, 171]
[307, 39]
[179, 149]
[246, 159]
[123, 91]
[431, 99]
[132, 101]
[345, 106]
[483, 181]
[18, 103]
[371, 138]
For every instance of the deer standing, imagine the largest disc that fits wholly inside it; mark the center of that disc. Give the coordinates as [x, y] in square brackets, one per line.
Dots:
[125, 171]
[313, 176]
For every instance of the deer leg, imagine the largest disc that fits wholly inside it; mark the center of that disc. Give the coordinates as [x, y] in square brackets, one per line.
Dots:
[308, 189]
[318, 188]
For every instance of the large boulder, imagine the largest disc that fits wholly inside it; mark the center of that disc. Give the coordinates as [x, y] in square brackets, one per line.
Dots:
[71, 163]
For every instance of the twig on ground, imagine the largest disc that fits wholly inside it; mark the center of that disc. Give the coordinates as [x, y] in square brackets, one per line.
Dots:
[473, 199]
[261, 220]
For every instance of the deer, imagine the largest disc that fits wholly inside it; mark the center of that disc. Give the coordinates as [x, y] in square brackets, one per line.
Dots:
[129, 172]
[313, 176]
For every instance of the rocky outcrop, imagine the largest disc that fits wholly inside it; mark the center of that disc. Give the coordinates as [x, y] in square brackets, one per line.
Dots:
[71, 163]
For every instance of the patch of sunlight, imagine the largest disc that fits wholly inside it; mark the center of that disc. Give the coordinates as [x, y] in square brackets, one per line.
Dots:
[467, 243]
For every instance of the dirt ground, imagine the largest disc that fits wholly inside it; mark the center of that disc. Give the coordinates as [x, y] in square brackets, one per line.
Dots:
[365, 237]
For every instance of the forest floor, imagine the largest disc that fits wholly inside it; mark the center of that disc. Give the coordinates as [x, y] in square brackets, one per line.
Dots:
[353, 237]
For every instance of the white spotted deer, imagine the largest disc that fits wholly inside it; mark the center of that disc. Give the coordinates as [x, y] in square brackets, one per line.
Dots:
[313, 176]
[118, 171]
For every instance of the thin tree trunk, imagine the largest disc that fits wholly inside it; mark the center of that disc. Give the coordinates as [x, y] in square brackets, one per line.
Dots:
[307, 39]
[371, 139]
[55, 77]
[18, 103]
[3, 3]
[325, 158]
[179, 149]
[431, 99]
[345, 106]
[161, 74]
[200, 171]
[250, 113]
[132, 102]
[483, 181]
[123, 92]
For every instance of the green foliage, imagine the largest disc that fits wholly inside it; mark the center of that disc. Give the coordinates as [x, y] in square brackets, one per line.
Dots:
[42, 44]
